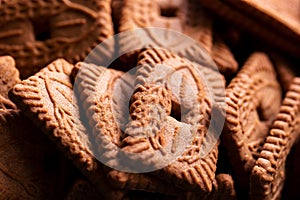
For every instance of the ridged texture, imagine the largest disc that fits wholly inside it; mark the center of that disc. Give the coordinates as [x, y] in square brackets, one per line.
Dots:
[186, 17]
[253, 99]
[268, 174]
[46, 30]
[48, 99]
[189, 171]
[9, 76]
[104, 98]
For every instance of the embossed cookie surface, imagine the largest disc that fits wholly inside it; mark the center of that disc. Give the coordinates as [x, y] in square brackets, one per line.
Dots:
[30, 166]
[168, 84]
[45, 31]
[268, 174]
[105, 95]
[48, 99]
[9, 76]
[253, 101]
[186, 17]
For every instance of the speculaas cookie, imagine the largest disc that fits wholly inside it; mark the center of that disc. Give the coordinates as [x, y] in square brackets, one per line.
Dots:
[44, 31]
[81, 190]
[105, 95]
[48, 99]
[268, 174]
[223, 58]
[116, 6]
[9, 76]
[186, 17]
[253, 101]
[223, 188]
[292, 181]
[31, 167]
[286, 71]
[274, 22]
[158, 94]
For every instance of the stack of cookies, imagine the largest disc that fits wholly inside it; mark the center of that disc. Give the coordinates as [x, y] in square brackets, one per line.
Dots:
[145, 99]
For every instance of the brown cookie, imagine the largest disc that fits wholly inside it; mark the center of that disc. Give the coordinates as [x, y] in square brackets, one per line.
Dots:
[45, 31]
[253, 101]
[81, 190]
[48, 99]
[286, 71]
[292, 182]
[117, 6]
[273, 22]
[165, 86]
[223, 58]
[30, 166]
[223, 188]
[186, 17]
[268, 174]
[105, 94]
[9, 76]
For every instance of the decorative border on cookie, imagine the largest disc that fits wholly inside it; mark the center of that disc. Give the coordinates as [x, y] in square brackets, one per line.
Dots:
[268, 174]
[239, 91]
[59, 47]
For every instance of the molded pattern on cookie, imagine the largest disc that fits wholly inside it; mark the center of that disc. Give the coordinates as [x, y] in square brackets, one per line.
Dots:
[268, 174]
[45, 31]
[186, 17]
[48, 99]
[9, 76]
[156, 85]
[253, 101]
[105, 95]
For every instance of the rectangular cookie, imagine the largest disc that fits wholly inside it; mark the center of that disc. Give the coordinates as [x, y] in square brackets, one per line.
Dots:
[48, 99]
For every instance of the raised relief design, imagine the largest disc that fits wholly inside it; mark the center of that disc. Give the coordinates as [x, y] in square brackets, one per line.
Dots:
[45, 31]
[9, 76]
[269, 173]
[253, 99]
[186, 17]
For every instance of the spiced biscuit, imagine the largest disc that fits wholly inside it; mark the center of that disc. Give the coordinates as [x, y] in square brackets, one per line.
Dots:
[31, 167]
[9, 76]
[184, 16]
[286, 71]
[117, 6]
[292, 181]
[105, 94]
[44, 31]
[253, 99]
[81, 190]
[270, 22]
[223, 188]
[48, 99]
[223, 57]
[269, 173]
[158, 94]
